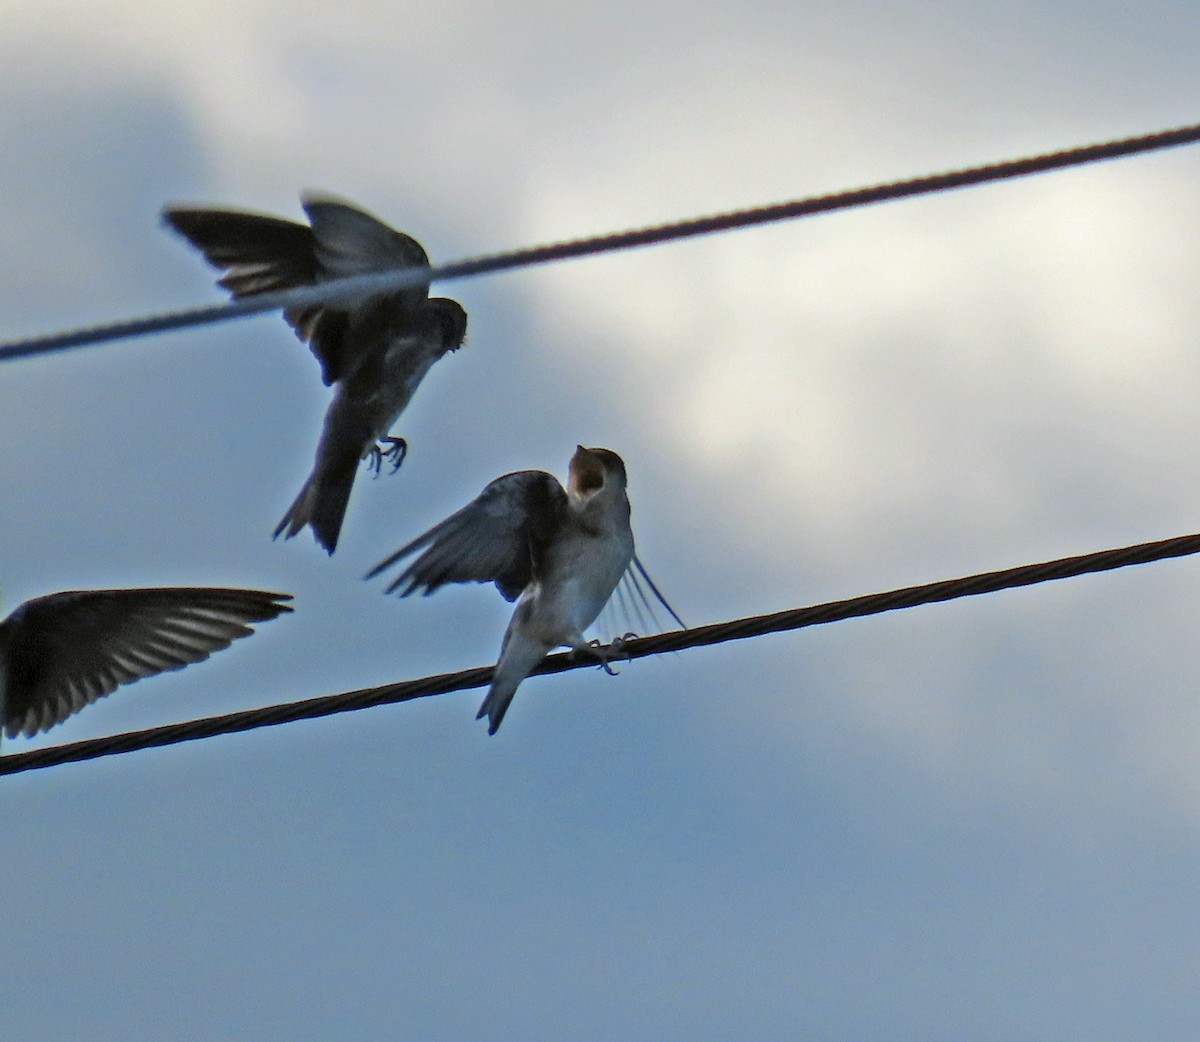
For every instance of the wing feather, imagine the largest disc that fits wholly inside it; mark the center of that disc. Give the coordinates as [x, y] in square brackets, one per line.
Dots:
[497, 537]
[66, 650]
[350, 241]
[637, 568]
[261, 254]
[631, 606]
[258, 253]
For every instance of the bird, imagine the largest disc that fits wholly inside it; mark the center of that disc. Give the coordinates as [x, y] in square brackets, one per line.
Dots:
[559, 553]
[374, 351]
[63, 651]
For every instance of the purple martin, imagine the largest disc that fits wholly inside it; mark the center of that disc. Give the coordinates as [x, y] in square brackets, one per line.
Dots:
[61, 652]
[559, 553]
[373, 351]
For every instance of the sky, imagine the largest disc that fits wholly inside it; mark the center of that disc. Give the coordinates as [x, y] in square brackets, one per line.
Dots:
[977, 820]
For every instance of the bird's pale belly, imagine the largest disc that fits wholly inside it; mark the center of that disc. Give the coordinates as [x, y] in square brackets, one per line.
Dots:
[567, 607]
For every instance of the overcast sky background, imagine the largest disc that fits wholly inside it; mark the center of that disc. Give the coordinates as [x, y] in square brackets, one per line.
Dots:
[979, 820]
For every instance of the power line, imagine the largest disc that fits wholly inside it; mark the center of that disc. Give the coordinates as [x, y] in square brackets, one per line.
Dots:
[359, 285]
[675, 640]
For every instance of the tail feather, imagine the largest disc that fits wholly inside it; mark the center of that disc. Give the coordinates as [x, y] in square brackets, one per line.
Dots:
[518, 657]
[329, 505]
[322, 502]
[297, 514]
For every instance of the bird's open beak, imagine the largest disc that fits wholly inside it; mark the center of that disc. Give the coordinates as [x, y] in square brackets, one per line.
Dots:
[586, 475]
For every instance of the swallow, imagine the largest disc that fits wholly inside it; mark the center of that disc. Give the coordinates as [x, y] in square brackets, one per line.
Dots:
[559, 553]
[62, 652]
[373, 351]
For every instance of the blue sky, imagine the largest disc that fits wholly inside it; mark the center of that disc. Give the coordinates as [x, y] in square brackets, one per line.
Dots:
[979, 820]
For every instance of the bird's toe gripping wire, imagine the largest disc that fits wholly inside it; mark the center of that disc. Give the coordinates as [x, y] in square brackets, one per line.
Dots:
[606, 653]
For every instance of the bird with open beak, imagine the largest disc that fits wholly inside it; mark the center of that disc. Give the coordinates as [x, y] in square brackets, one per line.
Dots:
[374, 351]
[559, 553]
[61, 652]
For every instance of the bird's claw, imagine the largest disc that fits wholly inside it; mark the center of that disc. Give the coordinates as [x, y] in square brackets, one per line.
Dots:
[615, 649]
[376, 454]
[598, 650]
[397, 453]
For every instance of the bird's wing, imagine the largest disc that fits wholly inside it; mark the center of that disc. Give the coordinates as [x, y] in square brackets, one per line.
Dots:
[63, 651]
[631, 606]
[350, 241]
[635, 569]
[495, 538]
[258, 254]
[261, 254]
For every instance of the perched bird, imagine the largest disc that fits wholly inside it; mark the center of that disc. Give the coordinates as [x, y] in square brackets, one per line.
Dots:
[374, 351]
[61, 652]
[559, 553]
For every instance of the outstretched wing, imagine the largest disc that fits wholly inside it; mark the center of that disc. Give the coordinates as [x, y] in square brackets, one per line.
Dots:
[349, 241]
[631, 607]
[635, 569]
[258, 254]
[261, 254]
[61, 652]
[497, 537]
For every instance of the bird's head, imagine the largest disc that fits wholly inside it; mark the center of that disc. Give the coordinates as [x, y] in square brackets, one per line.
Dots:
[593, 471]
[450, 319]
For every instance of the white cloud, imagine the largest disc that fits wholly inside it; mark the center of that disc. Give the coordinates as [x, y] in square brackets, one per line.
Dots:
[851, 358]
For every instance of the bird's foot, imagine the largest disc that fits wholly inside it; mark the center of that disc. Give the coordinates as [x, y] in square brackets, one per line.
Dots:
[605, 653]
[376, 454]
[397, 453]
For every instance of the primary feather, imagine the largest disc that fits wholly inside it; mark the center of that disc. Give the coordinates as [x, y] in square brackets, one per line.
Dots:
[61, 652]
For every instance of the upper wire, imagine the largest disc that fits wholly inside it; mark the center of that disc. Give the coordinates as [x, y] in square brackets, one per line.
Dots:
[395, 279]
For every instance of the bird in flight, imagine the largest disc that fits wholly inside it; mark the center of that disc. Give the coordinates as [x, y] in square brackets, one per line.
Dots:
[559, 553]
[374, 351]
[61, 652]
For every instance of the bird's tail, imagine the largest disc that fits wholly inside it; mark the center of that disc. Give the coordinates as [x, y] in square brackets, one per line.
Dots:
[519, 655]
[322, 501]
